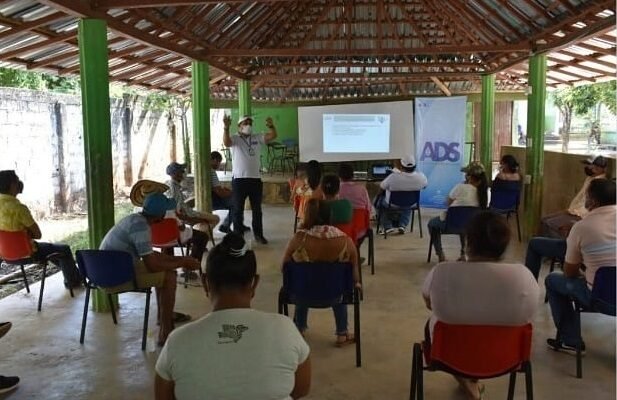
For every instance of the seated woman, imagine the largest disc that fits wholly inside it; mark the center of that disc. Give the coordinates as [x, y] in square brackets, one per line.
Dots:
[341, 210]
[318, 241]
[234, 352]
[508, 170]
[354, 192]
[308, 188]
[471, 193]
[465, 293]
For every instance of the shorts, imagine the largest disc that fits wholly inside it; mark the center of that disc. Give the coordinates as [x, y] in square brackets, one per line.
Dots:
[145, 279]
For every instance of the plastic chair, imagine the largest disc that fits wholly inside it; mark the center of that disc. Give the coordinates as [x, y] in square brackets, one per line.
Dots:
[475, 352]
[166, 236]
[16, 249]
[457, 219]
[104, 269]
[404, 200]
[602, 301]
[505, 198]
[320, 285]
[276, 155]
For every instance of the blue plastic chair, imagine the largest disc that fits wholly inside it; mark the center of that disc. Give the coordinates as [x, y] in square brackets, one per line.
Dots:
[603, 300]
[321, 285]
[105, 269]
[403, 200]
[505, 198]
[457, 219]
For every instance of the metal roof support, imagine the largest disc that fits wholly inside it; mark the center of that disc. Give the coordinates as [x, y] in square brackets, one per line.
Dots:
[94, 74]
[487, 124]
[201, 134]
[534, 168]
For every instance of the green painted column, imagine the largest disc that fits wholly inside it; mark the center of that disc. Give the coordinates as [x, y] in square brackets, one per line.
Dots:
[487, 122]
[244, 97]
[534, 164]
[94, 73]
[201, 134]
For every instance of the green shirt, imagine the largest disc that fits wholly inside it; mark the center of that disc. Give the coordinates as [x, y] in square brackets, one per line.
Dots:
[341, 211]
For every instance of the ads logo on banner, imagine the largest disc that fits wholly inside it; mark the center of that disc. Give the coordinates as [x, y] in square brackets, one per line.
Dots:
[440, 151]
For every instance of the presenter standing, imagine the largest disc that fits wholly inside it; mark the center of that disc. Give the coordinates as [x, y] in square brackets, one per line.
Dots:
[246, 175]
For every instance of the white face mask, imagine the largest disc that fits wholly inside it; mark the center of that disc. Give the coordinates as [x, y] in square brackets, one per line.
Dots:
[246, 129]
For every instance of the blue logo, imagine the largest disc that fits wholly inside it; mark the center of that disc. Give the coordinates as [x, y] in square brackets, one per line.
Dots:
[440, 151]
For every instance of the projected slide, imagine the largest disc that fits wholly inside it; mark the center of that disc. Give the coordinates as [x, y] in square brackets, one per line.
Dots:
[356, 133]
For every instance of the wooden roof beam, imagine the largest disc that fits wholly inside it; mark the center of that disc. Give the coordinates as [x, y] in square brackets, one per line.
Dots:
[36, 46]
[441, 86]
[128, 4]
[27, 26]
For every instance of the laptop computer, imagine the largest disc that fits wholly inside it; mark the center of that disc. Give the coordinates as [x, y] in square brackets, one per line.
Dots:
[380, 171]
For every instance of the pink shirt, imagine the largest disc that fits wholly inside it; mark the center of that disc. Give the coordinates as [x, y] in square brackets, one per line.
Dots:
[592, 241]
[355, 193]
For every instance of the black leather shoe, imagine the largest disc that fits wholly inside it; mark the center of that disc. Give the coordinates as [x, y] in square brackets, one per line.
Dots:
[261, 239]
[245, 229]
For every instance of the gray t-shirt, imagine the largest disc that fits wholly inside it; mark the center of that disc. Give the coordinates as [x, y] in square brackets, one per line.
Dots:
[214, 179]
[232, 354]
[132, 234]
[245, 153]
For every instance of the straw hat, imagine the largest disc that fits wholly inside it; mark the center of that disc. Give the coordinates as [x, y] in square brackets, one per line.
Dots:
[144, 187]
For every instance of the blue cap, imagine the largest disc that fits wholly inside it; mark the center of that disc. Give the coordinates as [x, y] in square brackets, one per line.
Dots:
[156, 205]
[175, 167]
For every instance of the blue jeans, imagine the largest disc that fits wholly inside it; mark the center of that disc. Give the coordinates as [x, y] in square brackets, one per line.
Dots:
[540, 247]
[241, 189]
[340, 317]
[560, 289]
[387, 212]
[435, 228]
[64, 260]
[223, 203]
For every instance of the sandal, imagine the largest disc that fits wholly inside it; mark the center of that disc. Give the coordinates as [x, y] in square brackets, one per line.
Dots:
[180, 317]
[343, 340]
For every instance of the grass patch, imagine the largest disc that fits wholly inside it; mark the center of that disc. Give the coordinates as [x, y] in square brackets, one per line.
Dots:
[79, 240]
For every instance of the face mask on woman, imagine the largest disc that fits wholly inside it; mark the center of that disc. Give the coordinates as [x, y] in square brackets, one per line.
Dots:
[246, 129]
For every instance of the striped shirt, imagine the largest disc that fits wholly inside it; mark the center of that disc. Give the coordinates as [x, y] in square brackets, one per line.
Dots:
[132, 234]
[592, 241]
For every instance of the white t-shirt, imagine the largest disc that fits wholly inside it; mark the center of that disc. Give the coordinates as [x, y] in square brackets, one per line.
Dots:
[398, 181]
[481, 293]
[245, 153]
[232, 354]
[464, 195]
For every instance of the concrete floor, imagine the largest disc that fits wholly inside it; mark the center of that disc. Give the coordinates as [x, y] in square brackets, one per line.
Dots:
[43, 348]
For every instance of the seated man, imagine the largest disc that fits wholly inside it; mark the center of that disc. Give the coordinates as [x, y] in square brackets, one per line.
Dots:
[185, 213]
[221, 196]
[591, 243]
[558, 225]
[406, 179]
[15, 216]
[465, 292]
[132, 234]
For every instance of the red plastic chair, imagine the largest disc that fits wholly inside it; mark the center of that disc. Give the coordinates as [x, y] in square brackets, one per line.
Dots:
[361, 221]
[476, 352]
[166, 235]
[16, 249]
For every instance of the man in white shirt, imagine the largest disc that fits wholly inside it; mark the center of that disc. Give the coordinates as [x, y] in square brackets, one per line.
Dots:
[591, 243]
[558, 225]
[407, 179]
[246, 181]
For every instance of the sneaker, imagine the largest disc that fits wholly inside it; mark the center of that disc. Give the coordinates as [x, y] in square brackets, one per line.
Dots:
[558, 345]
[5, 327]
[391, 230]
[224, 229]
[8, 383]
[245, 229]
[381, 231]
[401, 230]
[261, 239]
[441, 257]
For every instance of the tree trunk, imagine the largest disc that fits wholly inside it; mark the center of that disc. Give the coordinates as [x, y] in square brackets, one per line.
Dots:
[566, 113]
[171, 129]
[127, 125]
[186, 143]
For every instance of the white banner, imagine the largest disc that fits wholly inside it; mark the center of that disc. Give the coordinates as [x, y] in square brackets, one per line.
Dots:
[440, 136]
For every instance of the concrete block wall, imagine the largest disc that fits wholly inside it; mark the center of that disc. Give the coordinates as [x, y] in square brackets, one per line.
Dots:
[41, 137]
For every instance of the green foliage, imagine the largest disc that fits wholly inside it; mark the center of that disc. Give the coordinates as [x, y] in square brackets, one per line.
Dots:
[21, 79]
[581, 99]
[607, 93]
[32, 80]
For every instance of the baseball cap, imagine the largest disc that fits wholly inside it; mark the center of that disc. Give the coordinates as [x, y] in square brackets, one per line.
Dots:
[244, 118]
[474, 168]
[598, 161]
[408, 161]
[175, 167]
[156, 205]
